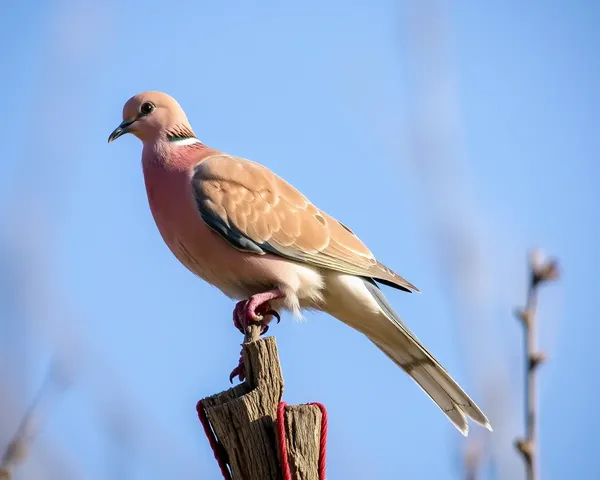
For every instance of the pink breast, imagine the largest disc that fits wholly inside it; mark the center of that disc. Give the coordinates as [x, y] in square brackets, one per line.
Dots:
[238, 274]
[193, 243]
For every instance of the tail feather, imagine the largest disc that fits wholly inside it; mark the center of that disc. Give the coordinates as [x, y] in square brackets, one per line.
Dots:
[405, 349]
[432, 388]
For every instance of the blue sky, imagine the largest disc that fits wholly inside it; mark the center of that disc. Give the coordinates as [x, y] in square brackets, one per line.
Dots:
[451, 136]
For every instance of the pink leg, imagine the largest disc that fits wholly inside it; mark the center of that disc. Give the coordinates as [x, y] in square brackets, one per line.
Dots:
[258, 305]
[239, 313]
[253, 310]
[240, 319]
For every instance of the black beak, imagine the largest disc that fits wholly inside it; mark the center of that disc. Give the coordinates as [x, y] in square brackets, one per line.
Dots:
[121, 130]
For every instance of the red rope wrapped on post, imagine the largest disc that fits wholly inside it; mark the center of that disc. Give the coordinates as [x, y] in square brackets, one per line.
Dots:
[221, 455]
[217, 448]
[282, 441]
[253, 434]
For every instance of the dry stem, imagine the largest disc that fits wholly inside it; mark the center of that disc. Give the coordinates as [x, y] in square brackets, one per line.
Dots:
[540, 272]
[17, 450]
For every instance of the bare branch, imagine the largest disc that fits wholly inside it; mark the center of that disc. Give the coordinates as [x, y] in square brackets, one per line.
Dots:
[541, 271]
[18, 448]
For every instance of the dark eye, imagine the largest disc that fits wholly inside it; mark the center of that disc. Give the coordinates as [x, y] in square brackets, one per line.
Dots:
[147, 108]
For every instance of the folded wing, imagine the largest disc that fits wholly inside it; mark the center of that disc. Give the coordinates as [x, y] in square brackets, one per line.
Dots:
[258, 212]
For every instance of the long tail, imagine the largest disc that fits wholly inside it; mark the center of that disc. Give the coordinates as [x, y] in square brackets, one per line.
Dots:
[385, 329]
[406, 351]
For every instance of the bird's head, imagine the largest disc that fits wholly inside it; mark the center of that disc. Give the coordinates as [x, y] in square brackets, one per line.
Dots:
[151, 116]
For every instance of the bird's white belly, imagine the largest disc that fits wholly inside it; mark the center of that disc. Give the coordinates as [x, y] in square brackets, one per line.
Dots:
[240, 275]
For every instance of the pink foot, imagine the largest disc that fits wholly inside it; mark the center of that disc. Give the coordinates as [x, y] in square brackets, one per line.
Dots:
[239, 371]
[255, 309]
[239, 315]
[252, 311]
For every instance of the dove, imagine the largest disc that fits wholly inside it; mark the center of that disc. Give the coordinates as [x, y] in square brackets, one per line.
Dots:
[243, 229]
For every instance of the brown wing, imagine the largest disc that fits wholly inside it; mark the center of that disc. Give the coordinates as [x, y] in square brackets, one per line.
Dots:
[257, 211]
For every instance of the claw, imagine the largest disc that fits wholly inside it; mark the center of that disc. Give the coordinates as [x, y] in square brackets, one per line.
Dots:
[265, 326]
[253, 311]
[239, 371]
[274, 314]
[236, 372]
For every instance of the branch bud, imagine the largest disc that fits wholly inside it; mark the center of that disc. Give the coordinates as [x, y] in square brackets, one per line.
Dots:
[536, 358]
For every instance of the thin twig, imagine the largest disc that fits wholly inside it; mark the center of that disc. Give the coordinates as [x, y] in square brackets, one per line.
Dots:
[541, 271]
[17, 450]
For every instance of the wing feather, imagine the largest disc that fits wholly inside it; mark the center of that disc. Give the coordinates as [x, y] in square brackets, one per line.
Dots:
[257, 211]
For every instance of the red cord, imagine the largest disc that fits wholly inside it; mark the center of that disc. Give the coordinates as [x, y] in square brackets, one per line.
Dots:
[217, 448]
[323, 439]
[220, 454]
[283, 453]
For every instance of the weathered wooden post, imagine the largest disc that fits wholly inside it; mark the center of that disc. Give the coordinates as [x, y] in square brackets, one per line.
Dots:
[256, 436]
